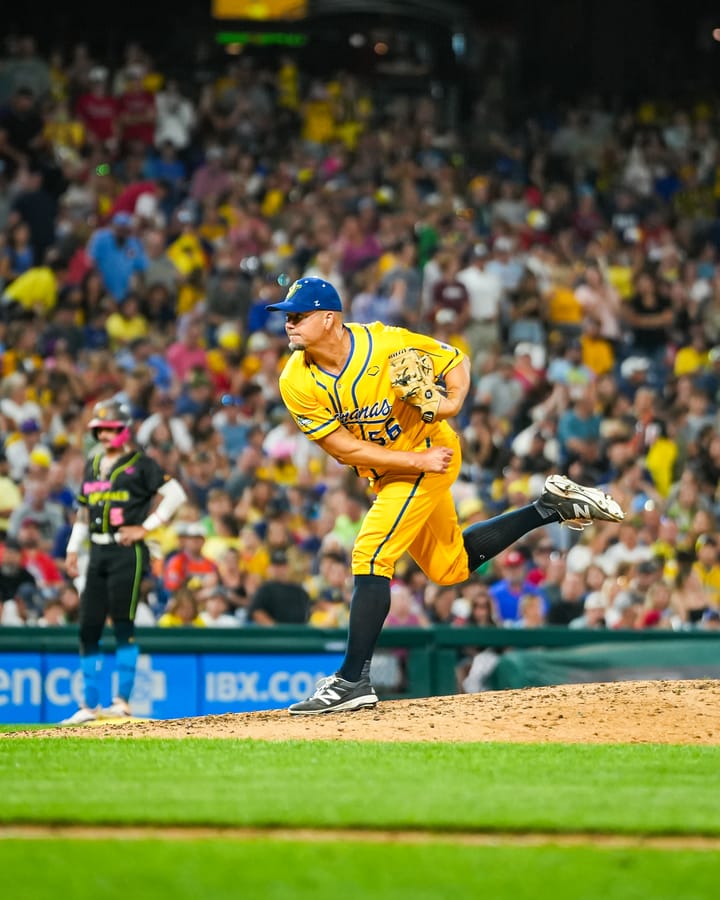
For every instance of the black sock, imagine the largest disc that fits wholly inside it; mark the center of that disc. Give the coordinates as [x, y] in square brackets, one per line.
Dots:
[369, 607]
[486, 539]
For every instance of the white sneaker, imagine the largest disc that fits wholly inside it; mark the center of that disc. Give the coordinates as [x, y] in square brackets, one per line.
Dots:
[81, 717]
[578, 505]
[118, 709]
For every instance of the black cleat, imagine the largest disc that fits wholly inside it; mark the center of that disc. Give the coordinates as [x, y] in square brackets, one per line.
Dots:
[334, 694]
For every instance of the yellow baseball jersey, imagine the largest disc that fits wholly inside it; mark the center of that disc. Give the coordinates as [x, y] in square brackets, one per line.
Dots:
[413, 512]
[361, 398]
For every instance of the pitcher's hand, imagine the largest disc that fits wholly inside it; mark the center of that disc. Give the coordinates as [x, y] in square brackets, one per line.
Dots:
[436, 459]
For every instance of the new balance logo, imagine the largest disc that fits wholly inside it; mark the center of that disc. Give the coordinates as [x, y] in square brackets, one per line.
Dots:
[581, 512]
[329, 695]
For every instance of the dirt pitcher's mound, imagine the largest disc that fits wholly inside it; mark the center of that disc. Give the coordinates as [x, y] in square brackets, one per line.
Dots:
[667, 712]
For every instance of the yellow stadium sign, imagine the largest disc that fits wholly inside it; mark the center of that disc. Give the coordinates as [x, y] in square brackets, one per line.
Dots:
[259, 10]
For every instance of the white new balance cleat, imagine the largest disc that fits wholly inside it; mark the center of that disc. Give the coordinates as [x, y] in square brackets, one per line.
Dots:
[81, 717]
[577, 505]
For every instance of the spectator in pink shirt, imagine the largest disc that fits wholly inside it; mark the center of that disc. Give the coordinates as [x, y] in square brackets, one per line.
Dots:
[210, 180]
[188, 352]
[356, 247]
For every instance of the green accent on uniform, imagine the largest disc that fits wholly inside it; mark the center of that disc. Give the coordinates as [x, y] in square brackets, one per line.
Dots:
[113, 475]
[136, 580]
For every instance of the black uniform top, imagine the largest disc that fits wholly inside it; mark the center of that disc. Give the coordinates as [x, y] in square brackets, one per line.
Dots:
[285, 602]
[122, 497]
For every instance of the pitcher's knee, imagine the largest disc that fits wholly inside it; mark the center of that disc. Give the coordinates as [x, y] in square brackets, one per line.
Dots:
[362, 564]
[456, 573]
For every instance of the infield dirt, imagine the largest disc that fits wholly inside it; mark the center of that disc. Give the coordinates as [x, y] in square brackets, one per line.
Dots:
[665, 712]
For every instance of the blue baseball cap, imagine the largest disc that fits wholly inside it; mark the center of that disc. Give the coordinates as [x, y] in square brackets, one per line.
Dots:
[307, 295]
[122, 219]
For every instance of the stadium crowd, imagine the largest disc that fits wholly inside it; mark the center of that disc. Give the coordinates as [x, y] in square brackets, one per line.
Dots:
[145, 223]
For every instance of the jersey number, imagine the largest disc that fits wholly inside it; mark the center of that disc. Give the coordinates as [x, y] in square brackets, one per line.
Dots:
[392, 433]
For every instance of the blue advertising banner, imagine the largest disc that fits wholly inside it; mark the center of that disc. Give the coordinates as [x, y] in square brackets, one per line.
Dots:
[21, 688]
[261, 681]
[166, 686]
[47, 687]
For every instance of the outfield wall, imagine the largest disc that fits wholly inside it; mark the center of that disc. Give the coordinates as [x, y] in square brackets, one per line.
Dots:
[207, 672]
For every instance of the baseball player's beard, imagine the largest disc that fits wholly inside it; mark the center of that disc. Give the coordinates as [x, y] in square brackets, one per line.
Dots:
[295, 344]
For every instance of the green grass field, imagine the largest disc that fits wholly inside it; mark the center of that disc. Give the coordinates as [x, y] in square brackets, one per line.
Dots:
[220, 869]
[432, 790]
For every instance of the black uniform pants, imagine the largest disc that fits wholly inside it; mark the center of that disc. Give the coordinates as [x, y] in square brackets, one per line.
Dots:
[112, 588]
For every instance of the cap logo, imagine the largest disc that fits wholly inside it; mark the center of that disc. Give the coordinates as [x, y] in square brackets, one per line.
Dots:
[293, 287]
[316, 302]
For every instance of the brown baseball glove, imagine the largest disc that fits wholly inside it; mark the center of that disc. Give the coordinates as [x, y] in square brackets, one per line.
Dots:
[412, 377]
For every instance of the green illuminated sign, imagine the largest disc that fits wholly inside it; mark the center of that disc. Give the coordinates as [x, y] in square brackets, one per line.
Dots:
[263, 38]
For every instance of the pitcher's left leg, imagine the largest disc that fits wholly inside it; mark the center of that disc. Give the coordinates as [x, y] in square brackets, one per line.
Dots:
[439, 549]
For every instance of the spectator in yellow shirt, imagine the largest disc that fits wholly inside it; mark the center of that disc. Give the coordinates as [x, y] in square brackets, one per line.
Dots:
[127, 323]
[707, 567]
[10, 496]
[182, 611]
[597, 352]
[288, 84]
[64, 132]
[189, 258]
[37, 289]
[563, 310]
[318, 117]
[693, 357]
